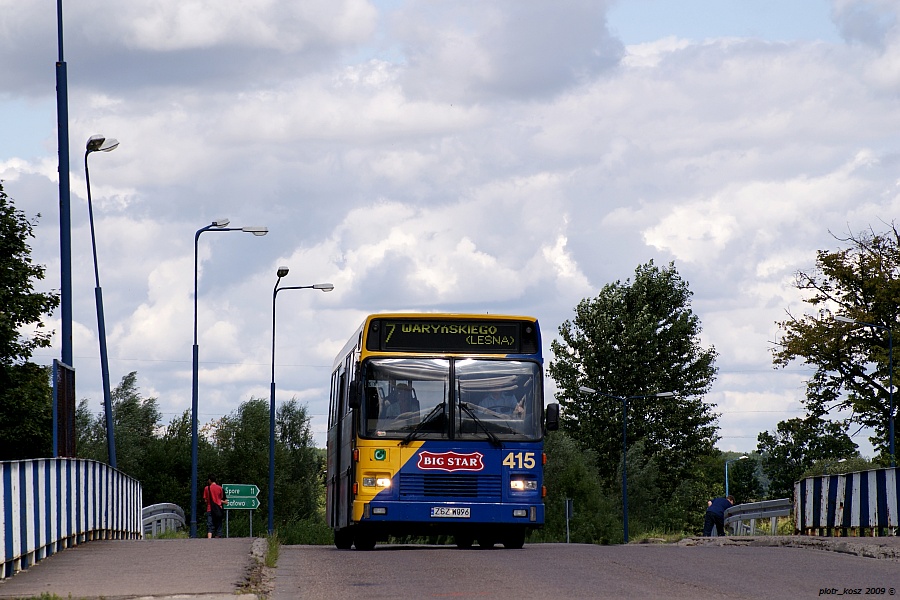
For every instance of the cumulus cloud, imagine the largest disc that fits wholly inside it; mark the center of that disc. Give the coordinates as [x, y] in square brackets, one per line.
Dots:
[869, 22]
[505, 157]
[473, 50]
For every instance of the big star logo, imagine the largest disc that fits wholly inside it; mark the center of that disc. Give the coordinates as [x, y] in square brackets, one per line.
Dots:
[450, 461]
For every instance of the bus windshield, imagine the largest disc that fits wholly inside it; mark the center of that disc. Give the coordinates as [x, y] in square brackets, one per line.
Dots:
[465, 399]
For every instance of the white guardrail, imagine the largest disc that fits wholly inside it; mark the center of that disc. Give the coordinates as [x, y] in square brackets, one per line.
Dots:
[54, 503]
[160, 518]
[737, 516]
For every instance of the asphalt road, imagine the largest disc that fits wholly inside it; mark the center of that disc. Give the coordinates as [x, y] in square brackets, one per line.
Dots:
[578, 571]
[219, 569]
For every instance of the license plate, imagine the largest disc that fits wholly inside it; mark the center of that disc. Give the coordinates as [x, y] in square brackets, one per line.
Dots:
[463, 512]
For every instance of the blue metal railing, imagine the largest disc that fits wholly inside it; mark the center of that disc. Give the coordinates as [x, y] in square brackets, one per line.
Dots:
[55, 503]
[865, 500]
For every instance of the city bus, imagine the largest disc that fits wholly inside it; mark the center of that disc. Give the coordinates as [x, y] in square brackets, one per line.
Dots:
[435, 428]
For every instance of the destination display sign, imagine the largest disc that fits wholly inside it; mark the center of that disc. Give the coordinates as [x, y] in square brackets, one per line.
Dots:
[423, 335]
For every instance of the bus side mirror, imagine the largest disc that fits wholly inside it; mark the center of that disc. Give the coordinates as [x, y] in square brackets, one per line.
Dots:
[353, 392]
[552, 417]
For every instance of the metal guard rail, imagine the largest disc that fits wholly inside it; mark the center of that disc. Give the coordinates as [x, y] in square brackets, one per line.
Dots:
[159, 518]
[752, 511]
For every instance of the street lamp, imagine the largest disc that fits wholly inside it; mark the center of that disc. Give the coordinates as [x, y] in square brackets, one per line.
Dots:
[65, 218]
[726, 470]
[325, 287]
[625, 400]
[844, 319]
[98, 143]
[217, 225]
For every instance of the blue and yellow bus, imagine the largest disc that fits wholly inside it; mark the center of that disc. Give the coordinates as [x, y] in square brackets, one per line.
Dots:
[436, 427]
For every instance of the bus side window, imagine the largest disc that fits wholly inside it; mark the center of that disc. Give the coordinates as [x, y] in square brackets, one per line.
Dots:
[342, 396]
[373, 402]
[332, 409]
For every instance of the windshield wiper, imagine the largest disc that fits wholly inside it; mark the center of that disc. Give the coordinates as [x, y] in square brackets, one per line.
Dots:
[416, 429]
[494, 439]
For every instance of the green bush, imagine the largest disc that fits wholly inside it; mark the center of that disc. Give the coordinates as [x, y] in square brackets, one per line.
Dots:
[312, 531]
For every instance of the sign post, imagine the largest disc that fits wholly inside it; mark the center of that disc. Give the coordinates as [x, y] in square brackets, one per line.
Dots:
[240, 496]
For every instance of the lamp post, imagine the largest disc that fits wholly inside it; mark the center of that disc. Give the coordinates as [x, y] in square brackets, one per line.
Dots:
[217, 225]
[727, 462]
[325, 287]
[625, 400]
[65, 218]
[844, 319]
[98, 143]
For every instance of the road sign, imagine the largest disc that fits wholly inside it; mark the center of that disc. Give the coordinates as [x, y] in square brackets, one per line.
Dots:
[242, 503]
[241, 496]
[240, 489]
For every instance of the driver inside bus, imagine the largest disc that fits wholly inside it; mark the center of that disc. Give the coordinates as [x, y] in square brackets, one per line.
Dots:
[403, 400]
[504, 403]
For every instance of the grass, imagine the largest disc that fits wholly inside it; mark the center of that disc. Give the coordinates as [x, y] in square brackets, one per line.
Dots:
[171, 534]
[312, 532]
[272, 551]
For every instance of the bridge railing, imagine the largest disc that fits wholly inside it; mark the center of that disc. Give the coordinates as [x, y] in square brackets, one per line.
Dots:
[159, 518]
[54, 503]
[864, 501]
[737, 516]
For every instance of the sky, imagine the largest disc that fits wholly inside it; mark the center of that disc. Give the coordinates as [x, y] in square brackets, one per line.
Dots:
[512, 156]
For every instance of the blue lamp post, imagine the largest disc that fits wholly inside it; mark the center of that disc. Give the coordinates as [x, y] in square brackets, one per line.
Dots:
[98, 143]
[727, 462]
[843, 319]
[625, 400]
[325, 287]
[218, 225]
[65, 218]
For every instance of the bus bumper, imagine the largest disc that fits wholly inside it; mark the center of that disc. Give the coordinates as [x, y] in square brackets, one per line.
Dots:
[439, 513]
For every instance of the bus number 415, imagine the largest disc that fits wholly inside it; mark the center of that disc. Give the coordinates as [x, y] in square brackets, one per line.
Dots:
[519, 460]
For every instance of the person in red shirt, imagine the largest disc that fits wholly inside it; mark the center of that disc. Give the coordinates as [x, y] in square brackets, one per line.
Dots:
[215, 509]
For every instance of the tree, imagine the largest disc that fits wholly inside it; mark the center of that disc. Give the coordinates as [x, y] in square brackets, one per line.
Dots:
[572, 473]
[298, 464]
[242, 440]
[25, 397]
[136, 421]
[23, 307]
[636, 339]
[860, 282]
[744, 484]
[796, 445]
[26, 419]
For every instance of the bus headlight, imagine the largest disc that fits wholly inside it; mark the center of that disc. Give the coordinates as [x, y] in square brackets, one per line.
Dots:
[382, 481]
[523, 485]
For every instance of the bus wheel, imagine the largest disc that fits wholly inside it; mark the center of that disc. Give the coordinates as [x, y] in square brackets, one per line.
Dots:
[364, 541]
[486, 542]
[514, 540]
[464, 541]
[343, 539]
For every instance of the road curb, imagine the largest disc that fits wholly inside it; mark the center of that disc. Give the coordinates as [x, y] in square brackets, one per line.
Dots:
[885, 548]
